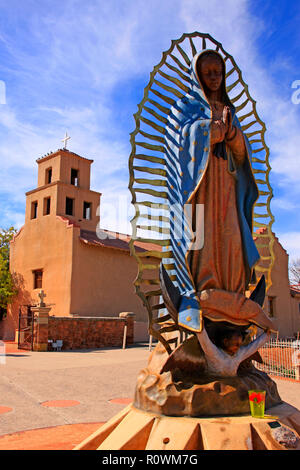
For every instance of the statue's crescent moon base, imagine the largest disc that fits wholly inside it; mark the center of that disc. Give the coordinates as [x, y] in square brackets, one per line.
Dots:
[134, 429]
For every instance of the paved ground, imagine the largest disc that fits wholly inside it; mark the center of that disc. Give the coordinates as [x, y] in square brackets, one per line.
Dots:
[69, 394]
[28, 379]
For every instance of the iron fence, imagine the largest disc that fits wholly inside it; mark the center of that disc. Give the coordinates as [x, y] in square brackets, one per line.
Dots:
[281, 358]
[26, 328]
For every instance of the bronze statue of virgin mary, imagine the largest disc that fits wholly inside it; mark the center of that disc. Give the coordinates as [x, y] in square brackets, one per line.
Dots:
[208, 263]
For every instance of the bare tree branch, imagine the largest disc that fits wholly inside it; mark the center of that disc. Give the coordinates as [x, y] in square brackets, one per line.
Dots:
[294, 270]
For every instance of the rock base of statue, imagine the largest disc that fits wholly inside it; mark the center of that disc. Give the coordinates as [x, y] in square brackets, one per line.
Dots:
[134, 429]
[177, 394]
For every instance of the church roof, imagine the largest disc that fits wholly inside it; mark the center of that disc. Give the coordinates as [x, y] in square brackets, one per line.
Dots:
[61, 151]
[295, 290]
[108, 239]
[264, 231]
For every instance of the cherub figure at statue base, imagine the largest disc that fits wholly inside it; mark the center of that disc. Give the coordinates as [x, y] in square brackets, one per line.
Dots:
[224, 361]
[182, 384]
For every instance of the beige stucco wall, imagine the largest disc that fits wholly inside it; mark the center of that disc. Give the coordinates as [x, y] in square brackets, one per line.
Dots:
[39, 196]
[79, 195]
[58, 192]
[102, 282]
[44, 243]
[61, 164]
[295, 308]
[286, 319]
[44, 164]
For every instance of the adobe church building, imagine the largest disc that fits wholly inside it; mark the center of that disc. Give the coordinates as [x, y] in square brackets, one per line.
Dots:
[83, 273]
[282, 301]
[88, 273]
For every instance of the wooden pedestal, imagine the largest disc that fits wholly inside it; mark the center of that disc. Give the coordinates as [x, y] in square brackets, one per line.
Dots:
[134, 429]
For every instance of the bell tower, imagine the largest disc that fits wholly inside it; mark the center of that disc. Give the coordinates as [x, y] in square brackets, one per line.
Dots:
[63, 189]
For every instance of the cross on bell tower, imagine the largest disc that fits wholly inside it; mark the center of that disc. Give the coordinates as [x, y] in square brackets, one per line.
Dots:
[65, 140]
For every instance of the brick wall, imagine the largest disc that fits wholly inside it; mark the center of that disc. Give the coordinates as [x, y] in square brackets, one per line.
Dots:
[86, 333]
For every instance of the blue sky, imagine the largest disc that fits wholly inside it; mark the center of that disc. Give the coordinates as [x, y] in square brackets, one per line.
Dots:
[82, 67]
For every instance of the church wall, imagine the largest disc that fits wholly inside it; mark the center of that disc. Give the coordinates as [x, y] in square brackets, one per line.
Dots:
[58, 192]
[39, 196]
[44, 244]
[295, 308]
[102, 282]
[61, 169]
[54, 164]
[79, 195]
[284, 317]
[80, 164]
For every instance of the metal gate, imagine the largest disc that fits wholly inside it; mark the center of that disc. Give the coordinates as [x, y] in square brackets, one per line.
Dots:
[26, 328]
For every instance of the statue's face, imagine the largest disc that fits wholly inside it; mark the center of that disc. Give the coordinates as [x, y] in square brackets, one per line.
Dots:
[211, 72]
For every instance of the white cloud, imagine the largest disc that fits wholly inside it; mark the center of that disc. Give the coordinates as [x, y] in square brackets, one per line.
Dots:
[93, 43]
[116, 210]
[291, 243]
[229, 23]
[10, 217]
[286, 204]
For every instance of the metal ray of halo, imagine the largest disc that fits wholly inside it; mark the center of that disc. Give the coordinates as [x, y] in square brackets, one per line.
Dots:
[169, 81]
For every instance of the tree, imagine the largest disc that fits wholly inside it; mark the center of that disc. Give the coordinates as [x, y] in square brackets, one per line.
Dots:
[295, 271]
[7, 286]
